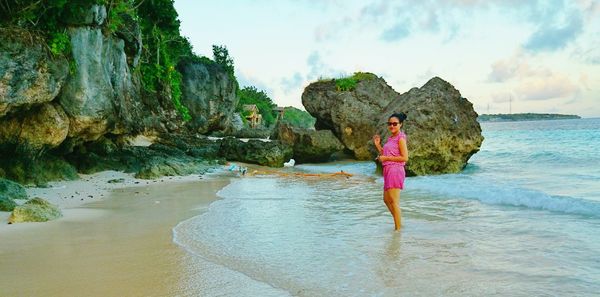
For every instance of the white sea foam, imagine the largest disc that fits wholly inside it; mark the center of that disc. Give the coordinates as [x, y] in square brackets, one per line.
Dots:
[466, 187]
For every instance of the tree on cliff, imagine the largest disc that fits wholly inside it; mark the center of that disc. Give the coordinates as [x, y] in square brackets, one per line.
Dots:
[298, 118]
[164, 47]
[221, 56]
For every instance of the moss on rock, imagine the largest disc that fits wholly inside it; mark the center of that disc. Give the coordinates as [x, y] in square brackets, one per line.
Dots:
[35, 210]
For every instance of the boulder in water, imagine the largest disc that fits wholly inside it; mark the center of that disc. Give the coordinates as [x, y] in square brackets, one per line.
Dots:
[349, 112]
[442, 128]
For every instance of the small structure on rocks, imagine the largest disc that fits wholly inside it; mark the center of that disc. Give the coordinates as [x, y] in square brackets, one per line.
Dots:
[252, 115]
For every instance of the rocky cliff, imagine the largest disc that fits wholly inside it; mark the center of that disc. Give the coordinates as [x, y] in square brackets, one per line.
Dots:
[210, 95]
[53, 105]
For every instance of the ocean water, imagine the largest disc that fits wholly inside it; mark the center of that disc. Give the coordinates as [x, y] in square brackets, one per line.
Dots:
[522, 219]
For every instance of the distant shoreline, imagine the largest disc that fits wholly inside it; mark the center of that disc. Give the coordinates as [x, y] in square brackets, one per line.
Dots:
[525, 117]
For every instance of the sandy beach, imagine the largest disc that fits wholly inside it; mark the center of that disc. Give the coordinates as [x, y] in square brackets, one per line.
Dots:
[115, 239]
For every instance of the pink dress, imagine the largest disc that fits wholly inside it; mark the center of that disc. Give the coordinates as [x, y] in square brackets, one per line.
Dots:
[393, 172]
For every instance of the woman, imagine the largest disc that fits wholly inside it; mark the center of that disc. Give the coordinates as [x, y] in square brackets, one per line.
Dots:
[393, 155]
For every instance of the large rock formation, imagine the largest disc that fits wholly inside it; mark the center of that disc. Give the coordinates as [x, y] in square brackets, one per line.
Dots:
[443, 132]
[170, 155]
[28, 74]
[349, 114]
[49, 106]
[308, 145]
[442, 128]
[56, 103]
[43, 126]
[102, 95]
[210, 95]
[267, 153]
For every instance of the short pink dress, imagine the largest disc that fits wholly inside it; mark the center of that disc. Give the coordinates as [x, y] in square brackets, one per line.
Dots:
[393, 172]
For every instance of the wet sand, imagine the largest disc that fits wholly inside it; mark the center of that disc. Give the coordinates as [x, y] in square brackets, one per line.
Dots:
[119, 246]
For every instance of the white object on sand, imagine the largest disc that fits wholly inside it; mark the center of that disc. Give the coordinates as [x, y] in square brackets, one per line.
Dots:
[289, 163]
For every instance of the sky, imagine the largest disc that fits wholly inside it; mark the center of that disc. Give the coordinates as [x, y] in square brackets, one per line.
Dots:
[502, 55]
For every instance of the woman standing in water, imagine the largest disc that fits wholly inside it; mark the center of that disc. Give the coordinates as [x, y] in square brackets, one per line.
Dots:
[393, 155]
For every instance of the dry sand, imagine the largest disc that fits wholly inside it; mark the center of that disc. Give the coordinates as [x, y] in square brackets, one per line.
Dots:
[121, 246]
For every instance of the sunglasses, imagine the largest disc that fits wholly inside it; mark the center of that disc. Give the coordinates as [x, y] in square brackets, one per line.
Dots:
[393, 124]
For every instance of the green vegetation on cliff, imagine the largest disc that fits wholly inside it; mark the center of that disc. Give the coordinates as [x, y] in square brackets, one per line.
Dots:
[164, 48]
[163, 45]
[524, 117]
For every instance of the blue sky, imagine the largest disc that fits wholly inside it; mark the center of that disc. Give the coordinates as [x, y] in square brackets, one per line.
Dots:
[542, 55]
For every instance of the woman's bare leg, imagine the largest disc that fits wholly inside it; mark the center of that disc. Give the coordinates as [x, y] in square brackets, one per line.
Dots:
[391, 198]
[394, 195]
[388, 201]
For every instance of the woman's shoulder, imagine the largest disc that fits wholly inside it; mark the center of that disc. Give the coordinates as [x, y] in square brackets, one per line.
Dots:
[401, 135]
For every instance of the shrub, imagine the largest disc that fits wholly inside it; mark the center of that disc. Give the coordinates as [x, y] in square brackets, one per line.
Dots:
[349, 83]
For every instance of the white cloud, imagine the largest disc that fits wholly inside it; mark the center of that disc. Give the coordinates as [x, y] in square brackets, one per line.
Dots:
[516, 66]
[544, 88]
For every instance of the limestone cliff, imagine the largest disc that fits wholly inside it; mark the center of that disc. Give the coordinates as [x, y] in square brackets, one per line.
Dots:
[53, 105]
[210, 95]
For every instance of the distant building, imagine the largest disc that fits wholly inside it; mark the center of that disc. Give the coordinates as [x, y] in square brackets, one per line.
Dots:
[252, 115]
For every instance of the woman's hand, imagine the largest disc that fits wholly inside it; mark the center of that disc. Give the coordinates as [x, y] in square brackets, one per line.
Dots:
[382, 158]
[377, 140]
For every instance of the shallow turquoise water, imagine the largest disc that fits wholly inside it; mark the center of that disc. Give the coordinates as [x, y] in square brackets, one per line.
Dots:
[523, 219]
